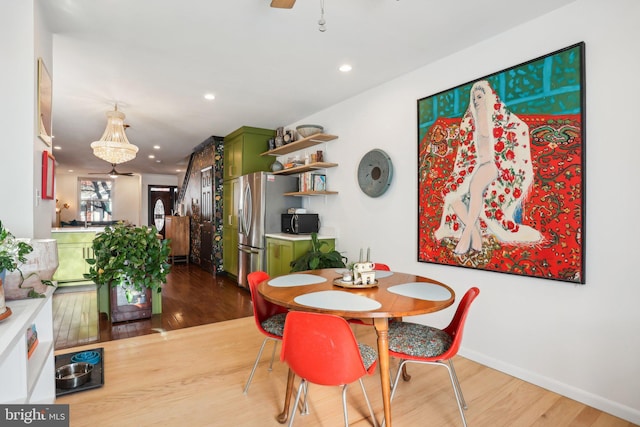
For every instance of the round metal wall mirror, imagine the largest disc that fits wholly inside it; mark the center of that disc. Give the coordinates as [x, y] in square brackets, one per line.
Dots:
[374, 173]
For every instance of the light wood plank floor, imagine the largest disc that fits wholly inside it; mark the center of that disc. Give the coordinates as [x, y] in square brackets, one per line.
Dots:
[75, 318]
[195, 377]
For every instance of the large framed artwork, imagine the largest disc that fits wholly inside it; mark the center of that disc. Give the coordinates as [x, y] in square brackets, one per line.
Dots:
[44, 103]
[48, 175]
[501, 171]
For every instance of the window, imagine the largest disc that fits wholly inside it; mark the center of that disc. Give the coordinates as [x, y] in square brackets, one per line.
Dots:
[96, 199]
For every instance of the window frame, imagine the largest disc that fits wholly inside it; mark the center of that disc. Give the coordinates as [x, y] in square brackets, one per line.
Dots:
[80, 200]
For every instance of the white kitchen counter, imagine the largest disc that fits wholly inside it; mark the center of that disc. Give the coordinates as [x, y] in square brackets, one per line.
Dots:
[77, 229]
[296, 237]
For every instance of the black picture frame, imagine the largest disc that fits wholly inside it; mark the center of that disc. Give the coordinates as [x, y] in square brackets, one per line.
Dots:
[505, 153]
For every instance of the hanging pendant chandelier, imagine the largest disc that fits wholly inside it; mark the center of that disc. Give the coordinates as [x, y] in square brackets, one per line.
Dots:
[113, 146]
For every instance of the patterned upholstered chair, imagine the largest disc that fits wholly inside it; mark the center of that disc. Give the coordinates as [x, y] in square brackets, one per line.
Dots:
[416, 343]
[269, 319]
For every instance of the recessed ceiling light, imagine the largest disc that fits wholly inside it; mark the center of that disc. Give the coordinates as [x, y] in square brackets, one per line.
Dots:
[345, 68]
[156, 147]
[57, 147]
[178, 170]
[158, 161]
[209, 96]
[152, 156]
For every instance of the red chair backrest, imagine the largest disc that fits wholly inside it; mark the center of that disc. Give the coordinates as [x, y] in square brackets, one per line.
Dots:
[456, 326]
[380, 266]
[262, 309]
[322, 349]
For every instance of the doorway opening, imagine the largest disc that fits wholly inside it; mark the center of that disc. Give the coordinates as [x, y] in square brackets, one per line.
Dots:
[162, 203]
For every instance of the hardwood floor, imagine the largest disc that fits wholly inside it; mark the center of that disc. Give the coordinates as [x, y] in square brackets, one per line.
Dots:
[195, 377]
[194, 391]
[191, 297]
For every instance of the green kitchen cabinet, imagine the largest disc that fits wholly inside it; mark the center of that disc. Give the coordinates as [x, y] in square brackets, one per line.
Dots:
[74, 247]
[243, 149]
[242, 155]
[281, 252]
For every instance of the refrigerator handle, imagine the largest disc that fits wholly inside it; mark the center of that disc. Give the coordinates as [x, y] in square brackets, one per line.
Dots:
[247, 210]
[248, 250]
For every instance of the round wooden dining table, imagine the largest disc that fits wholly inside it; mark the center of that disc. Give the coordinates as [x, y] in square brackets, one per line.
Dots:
[395, 295]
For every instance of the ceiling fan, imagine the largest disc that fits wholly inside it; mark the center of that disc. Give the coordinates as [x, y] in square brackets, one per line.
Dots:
[113, 172]
[283, 4]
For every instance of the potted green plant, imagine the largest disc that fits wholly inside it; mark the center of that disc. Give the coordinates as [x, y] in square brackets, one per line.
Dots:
[13, 252]
[131, 257]
[316, 258]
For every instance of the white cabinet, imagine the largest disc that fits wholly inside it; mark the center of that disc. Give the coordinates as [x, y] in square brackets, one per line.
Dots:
[28, 379]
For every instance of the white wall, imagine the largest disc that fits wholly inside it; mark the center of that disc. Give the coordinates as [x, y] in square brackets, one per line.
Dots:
[23, 212]
[580, 341]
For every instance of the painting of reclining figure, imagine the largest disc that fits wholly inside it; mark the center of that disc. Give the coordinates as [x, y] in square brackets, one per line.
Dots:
[501, 171]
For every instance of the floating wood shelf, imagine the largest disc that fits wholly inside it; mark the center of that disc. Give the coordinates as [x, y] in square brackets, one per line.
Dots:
[300, 144]
[311, 193]
[305, 168]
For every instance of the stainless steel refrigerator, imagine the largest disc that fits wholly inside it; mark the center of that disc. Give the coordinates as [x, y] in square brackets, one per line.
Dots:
[261, 204]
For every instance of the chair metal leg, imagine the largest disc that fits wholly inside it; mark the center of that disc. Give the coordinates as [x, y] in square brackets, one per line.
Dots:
[453, 370]
[455, 391]
[273, 355]
[344, 405]
[366, 399]
[305, 407]
[454, 383]
[255, 365]
[301, 388]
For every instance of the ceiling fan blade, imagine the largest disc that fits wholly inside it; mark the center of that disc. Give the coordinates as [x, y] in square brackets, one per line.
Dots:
[283, 4]
[112, 172]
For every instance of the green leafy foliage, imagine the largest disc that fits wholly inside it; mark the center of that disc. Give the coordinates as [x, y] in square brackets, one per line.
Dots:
[13, 252]
[131, 257]
[316, 258]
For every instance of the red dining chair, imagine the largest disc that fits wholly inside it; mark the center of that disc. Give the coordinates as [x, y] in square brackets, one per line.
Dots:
[416, 343]
[321, 349]
[269, 319]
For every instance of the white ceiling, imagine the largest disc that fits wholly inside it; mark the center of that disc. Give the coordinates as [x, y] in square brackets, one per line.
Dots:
[267, 67]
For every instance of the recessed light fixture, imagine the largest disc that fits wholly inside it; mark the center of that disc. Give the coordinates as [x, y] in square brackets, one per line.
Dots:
[178, 170]
[57, 147]
[152, 156]
[156, 147]
[345, 68]
[209, 96]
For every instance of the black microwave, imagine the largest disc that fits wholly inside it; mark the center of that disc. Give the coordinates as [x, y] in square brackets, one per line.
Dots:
[300, 223]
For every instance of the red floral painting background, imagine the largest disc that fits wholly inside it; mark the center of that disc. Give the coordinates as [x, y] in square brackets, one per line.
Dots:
[553, 206]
